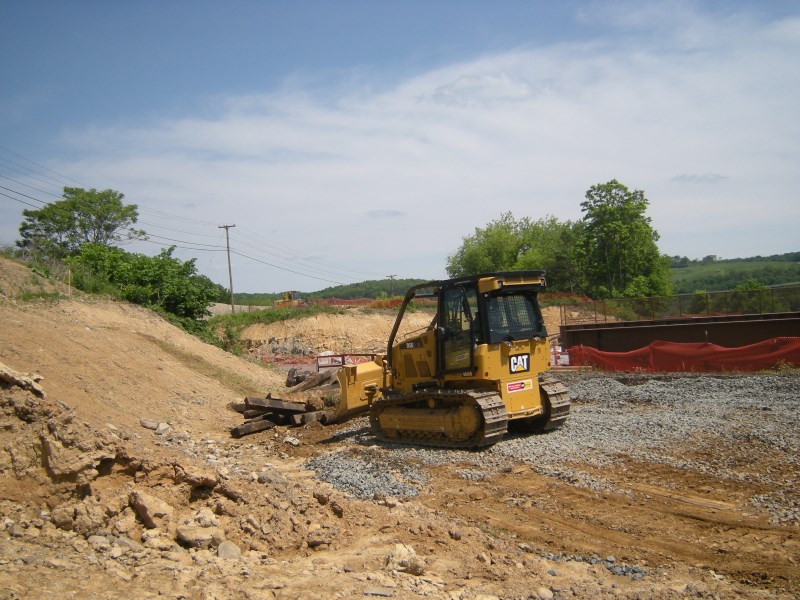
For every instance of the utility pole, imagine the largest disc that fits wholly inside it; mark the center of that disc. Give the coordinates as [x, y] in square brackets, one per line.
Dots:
[228, 246]
[391, 277]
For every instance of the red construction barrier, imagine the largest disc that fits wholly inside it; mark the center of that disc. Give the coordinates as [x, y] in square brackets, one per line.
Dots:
[675, 356]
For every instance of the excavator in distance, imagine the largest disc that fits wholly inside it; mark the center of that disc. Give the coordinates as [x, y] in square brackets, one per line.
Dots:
[478, 368]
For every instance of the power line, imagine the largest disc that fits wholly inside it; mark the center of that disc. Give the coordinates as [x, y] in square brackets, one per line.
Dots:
[161, 237]
[284, 268]
[38, 165]
[184, 244]
[30, 186]
[23, 195]
[30, 173]
[320, 262]
[177, 230]
[17, 199]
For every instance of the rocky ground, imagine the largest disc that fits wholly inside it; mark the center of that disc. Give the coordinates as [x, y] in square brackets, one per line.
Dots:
[118, 477]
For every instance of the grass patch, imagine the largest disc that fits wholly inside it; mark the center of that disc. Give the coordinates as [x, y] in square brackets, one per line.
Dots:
[32, 295]
[274, 315]
[225, 331]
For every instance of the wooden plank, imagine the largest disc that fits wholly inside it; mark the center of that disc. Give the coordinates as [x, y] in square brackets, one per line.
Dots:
[252, 427]
[316, 380]
[286, 406]
[239, 407]
[317, 416]
[256, 412]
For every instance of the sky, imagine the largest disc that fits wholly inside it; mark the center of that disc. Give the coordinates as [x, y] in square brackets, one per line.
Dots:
[356, 140]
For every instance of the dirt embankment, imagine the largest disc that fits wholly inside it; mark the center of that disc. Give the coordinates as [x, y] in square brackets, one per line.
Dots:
[96, 504]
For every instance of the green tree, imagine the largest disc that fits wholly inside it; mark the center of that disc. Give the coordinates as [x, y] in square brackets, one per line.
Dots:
[617, 244]
[508, 244]
[549, 244]
[161, 282]
[60, 228]
[495, 247]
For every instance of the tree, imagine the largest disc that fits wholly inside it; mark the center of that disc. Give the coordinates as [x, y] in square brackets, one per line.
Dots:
[508, 244]
[161, 282]
[82, 217]
[495, 247]
[549, 245]
[618, 244]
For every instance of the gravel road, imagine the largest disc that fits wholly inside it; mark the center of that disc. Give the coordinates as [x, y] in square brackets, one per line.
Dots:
[653, 418]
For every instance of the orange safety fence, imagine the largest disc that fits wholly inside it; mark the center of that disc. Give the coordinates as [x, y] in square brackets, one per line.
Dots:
[705, 357]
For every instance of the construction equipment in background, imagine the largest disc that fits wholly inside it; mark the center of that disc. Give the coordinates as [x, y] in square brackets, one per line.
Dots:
[479, 367]
[290, 298]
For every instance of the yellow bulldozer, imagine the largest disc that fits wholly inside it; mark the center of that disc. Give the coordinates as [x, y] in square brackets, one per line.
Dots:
[477, 369]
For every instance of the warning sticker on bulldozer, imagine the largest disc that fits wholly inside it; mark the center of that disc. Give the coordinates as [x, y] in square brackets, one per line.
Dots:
[519, 386]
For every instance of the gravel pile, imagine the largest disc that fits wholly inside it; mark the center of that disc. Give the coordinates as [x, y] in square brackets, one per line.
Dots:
[367, 475]
[639, 416]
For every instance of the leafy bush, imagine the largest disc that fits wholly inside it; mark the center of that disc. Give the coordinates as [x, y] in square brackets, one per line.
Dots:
[159, 282]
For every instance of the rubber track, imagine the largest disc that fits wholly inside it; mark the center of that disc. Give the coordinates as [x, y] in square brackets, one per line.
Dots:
[492, 407]
[558, 400]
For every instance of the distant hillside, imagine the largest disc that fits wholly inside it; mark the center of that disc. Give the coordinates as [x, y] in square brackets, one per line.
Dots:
[711, 274]
[379, 288]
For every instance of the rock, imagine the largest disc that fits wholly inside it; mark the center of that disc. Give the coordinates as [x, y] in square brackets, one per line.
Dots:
[206, 518]
[454, 534]
[149, 424]
[383, 592]
[195, 477]
[318, 537]
[72, 462]
[544, 593]
[162, 428]
[98, 542]
[26, 382]
[129, 544]
[227, 550]
[89, 517]
[151, 510]
[199, 537]
[125, 522]
[404, 558]
[292, 441]
[63, 517]
[153, 539]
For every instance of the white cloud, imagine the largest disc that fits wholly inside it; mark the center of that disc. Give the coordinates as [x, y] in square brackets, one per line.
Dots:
[667, 98]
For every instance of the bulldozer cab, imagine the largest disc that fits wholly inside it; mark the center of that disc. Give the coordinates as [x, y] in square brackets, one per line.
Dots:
[493, 308]
[459, 329]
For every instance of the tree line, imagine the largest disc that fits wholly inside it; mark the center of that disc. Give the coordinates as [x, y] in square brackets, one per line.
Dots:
[611, 252]
[82, 231]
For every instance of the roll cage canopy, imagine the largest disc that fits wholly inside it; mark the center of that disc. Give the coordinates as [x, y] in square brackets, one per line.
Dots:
[488, 308]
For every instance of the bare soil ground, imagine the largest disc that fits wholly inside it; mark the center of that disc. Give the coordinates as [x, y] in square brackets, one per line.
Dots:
[95, 505]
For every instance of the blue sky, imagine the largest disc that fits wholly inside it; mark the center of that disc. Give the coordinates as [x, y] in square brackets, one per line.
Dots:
[352, 140]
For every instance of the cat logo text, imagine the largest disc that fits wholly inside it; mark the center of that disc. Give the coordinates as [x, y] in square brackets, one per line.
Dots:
[519, 363]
